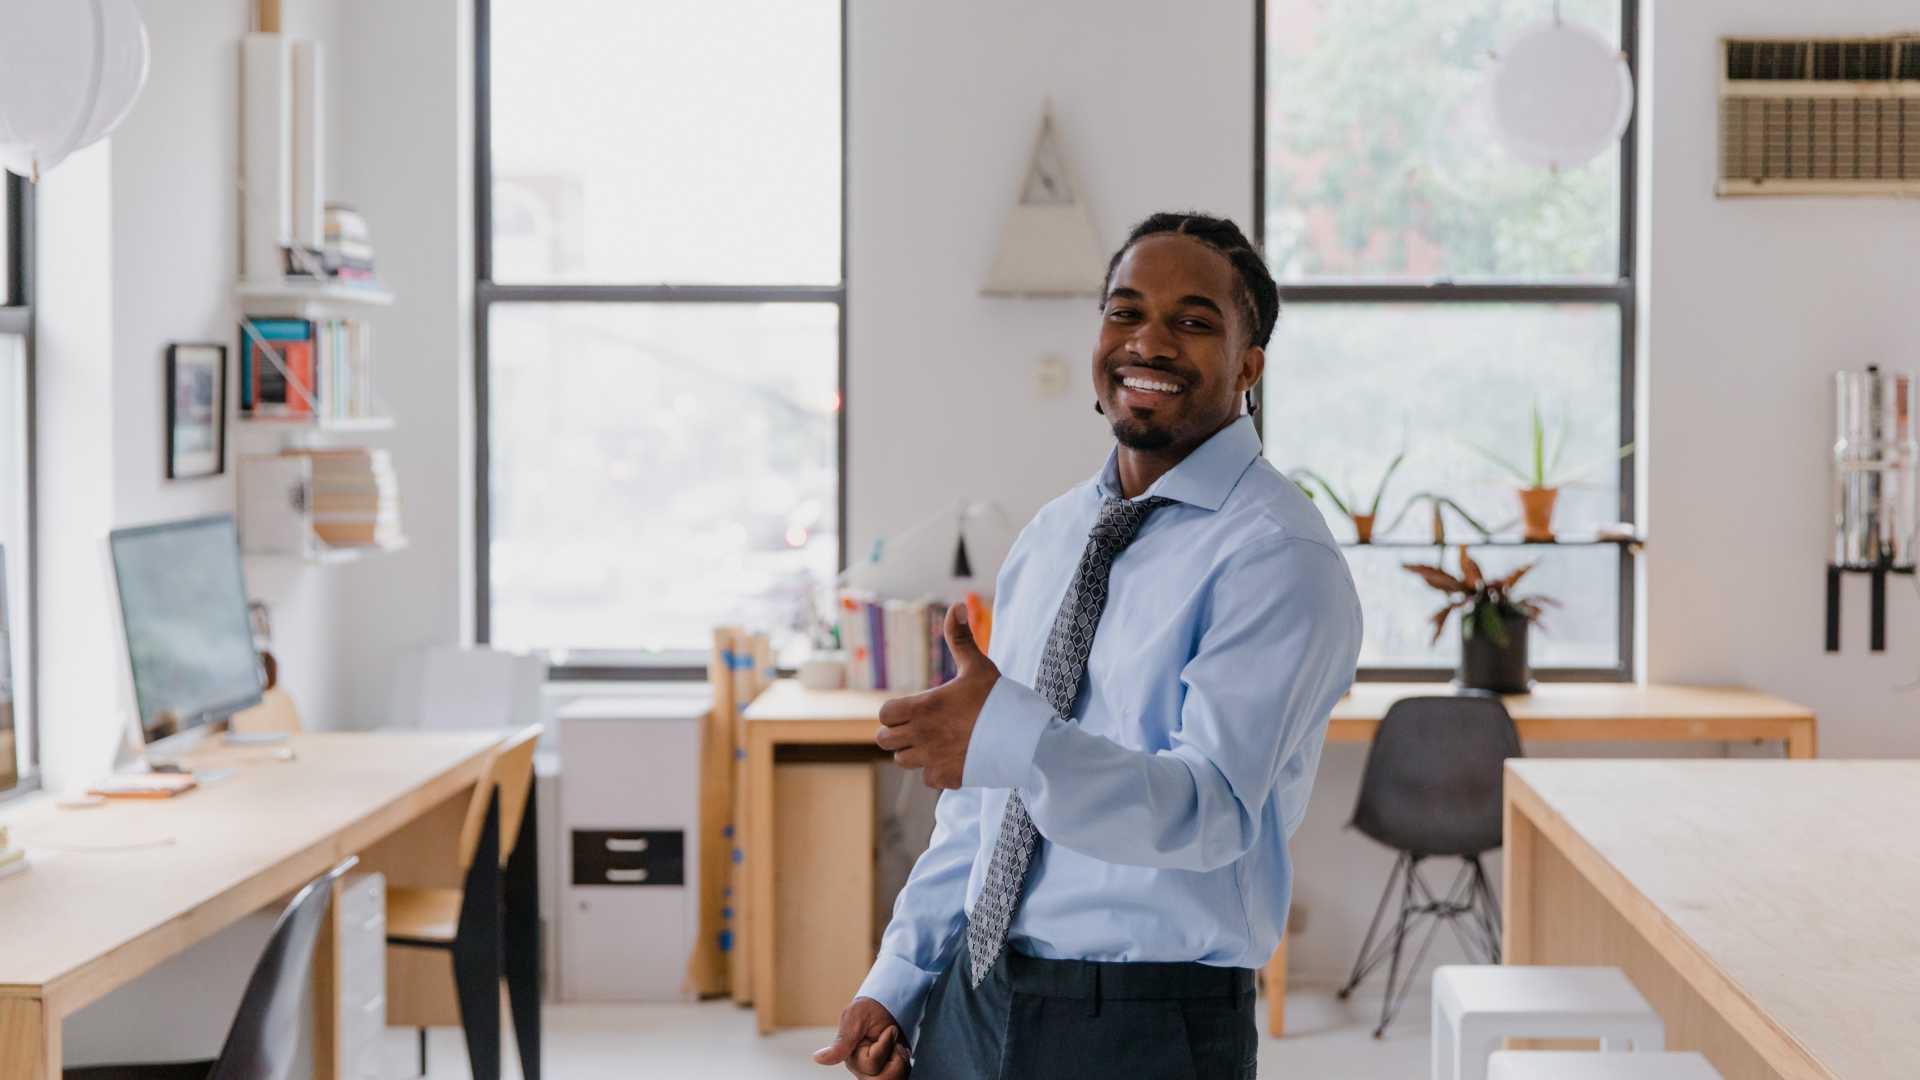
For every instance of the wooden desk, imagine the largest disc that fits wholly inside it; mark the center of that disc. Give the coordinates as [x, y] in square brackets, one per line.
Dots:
[788, 716]
[1765, 908]
[79, 923]
[1608, 712]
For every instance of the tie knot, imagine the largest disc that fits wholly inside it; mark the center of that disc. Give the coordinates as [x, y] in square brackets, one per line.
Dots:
[1120, 519]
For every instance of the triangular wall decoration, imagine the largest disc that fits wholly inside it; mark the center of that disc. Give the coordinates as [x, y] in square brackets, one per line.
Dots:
[1047, 246]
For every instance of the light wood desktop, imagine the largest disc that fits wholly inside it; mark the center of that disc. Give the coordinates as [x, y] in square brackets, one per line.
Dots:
[789, 721]
[1765, 909]
[115, 890]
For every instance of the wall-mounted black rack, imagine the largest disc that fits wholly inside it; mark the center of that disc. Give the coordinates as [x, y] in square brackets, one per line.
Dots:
[1877, 602]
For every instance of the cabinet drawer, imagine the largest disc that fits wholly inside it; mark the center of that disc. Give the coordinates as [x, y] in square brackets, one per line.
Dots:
[629, 857]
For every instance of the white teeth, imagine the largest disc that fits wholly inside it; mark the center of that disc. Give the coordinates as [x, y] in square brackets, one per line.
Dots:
[1149, 384]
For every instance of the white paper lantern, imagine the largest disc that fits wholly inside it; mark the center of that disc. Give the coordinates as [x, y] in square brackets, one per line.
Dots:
[1561, 94]
[69, 73]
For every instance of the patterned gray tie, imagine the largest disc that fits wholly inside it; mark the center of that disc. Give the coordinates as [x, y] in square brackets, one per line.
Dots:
[1061, 667]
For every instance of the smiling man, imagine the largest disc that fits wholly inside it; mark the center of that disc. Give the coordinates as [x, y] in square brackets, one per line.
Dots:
[1110, 862]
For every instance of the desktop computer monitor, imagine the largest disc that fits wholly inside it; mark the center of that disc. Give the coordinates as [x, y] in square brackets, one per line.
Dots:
[183, 607]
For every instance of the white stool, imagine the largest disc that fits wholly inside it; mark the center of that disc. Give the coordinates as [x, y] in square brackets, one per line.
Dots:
[1581, 1065]
[1474, 1007]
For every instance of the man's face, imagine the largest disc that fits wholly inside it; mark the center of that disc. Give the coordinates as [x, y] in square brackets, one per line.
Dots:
[1173, 355]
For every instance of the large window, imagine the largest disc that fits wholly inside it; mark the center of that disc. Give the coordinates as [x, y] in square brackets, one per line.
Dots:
[660, 324]
[1433, 293]
[19, 748]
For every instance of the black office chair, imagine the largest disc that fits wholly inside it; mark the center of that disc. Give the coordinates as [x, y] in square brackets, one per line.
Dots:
[490, 925]
[266, 1032]
[1432, 790]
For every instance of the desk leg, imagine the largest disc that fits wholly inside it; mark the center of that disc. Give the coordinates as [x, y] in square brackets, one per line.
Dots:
[326, 992]
[1516, 885]
[1277, 990]
[1802, 742]
[29, 1040]
[758, 845]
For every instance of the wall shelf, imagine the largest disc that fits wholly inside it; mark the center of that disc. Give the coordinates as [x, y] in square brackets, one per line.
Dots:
[323, 555]
[1634, 542]
[325, 425]
[308, 299]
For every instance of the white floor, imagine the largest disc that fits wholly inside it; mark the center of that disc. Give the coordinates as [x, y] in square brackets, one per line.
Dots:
[1328, 1040]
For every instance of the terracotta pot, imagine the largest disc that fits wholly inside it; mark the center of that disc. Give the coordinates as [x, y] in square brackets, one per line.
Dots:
[1363, 527]
[1536, 506]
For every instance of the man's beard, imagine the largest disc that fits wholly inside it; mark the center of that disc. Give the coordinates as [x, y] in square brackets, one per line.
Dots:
[1135, 435]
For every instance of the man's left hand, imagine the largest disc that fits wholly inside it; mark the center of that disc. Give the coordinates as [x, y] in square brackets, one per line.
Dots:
[930, 731]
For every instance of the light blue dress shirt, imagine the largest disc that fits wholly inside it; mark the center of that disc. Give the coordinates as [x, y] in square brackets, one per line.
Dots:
[1231, 629]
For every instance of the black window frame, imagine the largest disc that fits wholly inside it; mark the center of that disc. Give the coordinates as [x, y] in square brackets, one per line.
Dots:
[1619, 292]
[16, 320]
[488, 293]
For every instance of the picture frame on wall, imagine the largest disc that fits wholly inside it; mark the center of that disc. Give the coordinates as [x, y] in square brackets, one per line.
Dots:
[196, 410]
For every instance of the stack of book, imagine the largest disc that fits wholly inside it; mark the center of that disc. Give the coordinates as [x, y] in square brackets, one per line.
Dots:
[319, 369]
[347, 254]
[900, 645]
[355, 497]
[12, 859]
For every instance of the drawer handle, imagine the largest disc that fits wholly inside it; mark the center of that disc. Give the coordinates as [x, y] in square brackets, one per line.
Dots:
[626, 875]
[636, 844]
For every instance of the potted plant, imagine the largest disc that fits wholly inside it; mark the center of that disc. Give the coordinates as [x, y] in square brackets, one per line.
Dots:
[1542, 476]
[1438, 504]
[1362, 522]
[1493, 628]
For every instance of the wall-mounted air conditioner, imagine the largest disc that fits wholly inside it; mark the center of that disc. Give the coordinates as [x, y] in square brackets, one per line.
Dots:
[1820, 116]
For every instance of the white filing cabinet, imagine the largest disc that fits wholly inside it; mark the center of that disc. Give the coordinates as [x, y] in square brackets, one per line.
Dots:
[629, 808]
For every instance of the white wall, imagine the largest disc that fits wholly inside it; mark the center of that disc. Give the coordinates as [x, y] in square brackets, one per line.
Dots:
[405, 159]
[944, 103]
[1752, 304]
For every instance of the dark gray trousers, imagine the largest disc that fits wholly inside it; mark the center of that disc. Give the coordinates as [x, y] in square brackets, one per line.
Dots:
[1085, 1020]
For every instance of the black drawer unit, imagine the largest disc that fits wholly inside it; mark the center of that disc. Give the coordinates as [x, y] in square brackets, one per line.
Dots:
[629, 857]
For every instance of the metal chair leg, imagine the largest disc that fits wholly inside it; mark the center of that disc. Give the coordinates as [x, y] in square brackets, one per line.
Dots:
[1370, 955]
[423, 1053]
[1399, 939]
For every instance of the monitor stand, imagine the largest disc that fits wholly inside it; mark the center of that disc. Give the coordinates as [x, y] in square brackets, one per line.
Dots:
[136, 755]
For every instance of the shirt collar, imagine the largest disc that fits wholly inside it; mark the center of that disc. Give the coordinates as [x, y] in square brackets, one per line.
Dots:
[1205, 477]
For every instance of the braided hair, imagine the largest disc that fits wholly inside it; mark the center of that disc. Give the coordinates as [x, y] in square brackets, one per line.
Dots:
[1259, 297]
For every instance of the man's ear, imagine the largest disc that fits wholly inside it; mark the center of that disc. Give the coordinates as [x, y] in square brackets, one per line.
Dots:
[1253, 363]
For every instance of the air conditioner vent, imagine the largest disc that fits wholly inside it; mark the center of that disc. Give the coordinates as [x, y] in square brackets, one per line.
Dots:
[1825, 116]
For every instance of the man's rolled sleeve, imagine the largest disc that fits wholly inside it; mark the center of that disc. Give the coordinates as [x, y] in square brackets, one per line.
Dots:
[1008, 729]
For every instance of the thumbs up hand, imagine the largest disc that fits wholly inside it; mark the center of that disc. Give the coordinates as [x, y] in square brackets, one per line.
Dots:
[931, 731]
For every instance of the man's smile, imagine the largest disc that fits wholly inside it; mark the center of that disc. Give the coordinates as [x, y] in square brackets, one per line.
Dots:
[1144, 386]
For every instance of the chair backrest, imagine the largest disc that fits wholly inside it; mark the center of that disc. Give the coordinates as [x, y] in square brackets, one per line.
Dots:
[274, 714]
[262, 1043]
[509, 774]
[1432, 784]
[449, 688]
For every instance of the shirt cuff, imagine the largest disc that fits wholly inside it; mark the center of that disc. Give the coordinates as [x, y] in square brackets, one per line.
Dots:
[1004, 736]
[901, 988]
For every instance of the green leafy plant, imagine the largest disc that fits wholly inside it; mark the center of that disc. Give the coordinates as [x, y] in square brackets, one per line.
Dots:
[1438, 504]
[1542, 468]
[1344, 504]
[1489, 602]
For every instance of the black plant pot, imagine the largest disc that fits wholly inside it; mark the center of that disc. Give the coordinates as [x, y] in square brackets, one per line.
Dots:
[1485, 664]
